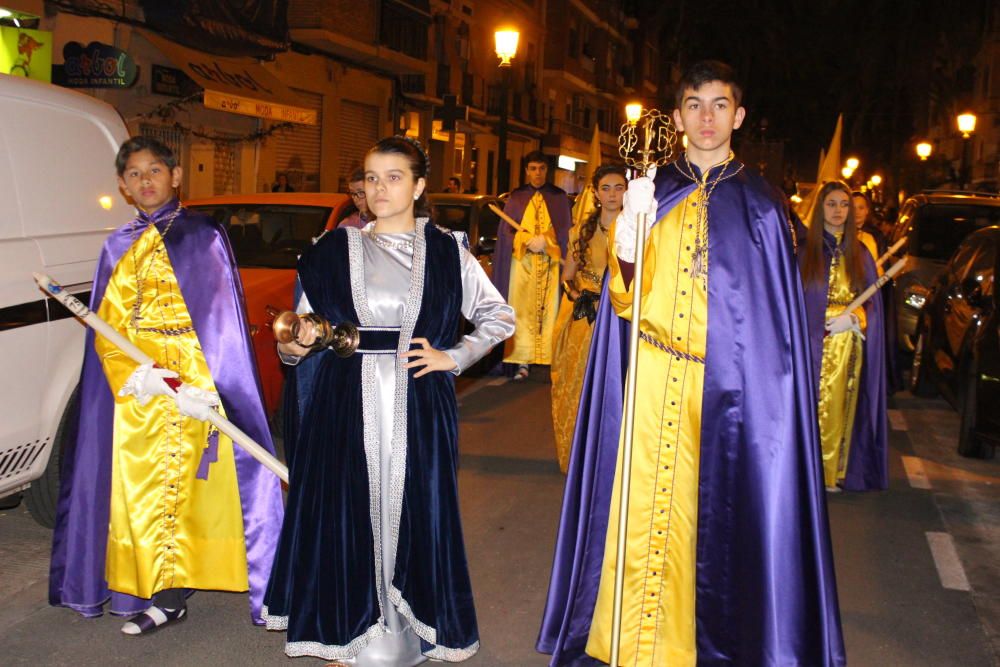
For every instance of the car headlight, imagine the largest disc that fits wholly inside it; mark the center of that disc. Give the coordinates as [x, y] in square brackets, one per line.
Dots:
[916, 296]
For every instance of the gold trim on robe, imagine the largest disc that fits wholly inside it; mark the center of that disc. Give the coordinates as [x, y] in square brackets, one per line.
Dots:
[572, 345]
[533, 290]
[168, 529]
[658, 614]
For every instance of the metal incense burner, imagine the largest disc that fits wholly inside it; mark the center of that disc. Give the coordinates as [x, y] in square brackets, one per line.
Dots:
[343, 338]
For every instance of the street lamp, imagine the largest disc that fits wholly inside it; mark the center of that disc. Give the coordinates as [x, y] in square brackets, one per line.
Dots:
[876, 180]
[506, 48]
[853, 163]
[847, 172]
[966, 125]
[633, 112]
[924, 150]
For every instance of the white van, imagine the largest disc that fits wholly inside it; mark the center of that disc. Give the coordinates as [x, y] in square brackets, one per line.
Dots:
[59, 200]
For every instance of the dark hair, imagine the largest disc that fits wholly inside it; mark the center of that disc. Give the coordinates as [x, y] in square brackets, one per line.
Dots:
[357, 174]
[455, 179]
[535, 156]
[813, 263]
[705, 71]
[871, 207]
[136, 144]
[419, 165]
[589, 226]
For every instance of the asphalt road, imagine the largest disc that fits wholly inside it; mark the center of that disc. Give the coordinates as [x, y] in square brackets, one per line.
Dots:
[918, 567]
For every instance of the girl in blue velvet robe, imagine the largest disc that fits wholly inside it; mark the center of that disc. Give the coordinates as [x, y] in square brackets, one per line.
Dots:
[371, 568]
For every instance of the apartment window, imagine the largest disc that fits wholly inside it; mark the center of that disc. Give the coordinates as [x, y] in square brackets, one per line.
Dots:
[404, 29]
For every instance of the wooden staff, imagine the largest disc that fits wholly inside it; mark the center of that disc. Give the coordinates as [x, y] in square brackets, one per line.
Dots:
[890, 252]
[101, 327]
[513, 223]
[876, 286]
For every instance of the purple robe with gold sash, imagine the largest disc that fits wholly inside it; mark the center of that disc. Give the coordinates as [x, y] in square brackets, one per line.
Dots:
[765, 583]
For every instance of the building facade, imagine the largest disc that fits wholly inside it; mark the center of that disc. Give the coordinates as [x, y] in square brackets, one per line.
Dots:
[357, 71]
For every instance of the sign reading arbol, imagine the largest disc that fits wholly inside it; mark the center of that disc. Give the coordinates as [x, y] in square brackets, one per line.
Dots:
[96, 65]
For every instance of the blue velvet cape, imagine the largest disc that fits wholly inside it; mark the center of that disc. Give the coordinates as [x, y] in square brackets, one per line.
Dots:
[765, 584]
[324, 578]
[203, 262]
[868, 461]
[559, 212]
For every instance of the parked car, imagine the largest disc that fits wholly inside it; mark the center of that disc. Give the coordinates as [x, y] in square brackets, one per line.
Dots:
[958, 341]
[471, 214]
[935, 223]
[58, 201]
[268, 232]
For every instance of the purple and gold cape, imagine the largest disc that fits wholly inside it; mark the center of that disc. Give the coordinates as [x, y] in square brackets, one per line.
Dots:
[557, 204]
[206, 272]
[765, 585]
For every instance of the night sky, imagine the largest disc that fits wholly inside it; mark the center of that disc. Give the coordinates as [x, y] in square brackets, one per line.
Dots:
[889, 65]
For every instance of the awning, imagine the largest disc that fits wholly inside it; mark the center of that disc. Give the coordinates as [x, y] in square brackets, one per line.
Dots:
[237, 85]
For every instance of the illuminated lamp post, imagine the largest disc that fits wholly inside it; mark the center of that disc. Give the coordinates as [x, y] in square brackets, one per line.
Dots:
[506, 48]
[966, 125]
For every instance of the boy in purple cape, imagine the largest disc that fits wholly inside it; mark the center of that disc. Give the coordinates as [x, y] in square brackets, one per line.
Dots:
[728, 558]
[154, 502]
[526, 264]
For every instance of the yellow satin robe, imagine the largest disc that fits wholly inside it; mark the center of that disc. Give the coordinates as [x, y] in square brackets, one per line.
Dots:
[167, 528]
[840, 375]
[533, 291]
[572, 344]
[658, 614]
[868, 241]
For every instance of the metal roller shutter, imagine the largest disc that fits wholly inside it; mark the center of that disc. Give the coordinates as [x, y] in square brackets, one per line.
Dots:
[359, 130]
[226, 167]
[298, 148]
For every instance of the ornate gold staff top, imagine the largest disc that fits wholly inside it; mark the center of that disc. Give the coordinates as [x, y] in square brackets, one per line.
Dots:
[658, 139]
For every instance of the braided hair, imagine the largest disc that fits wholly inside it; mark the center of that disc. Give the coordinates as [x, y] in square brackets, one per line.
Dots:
[420, 165]
[589, 226]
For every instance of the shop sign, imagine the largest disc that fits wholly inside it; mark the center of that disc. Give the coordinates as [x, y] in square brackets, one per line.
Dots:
[173, 82]
[95, 65]
[26, 53]
[249, 106]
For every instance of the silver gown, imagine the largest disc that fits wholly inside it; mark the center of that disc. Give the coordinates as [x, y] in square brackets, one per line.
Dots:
[387, 277]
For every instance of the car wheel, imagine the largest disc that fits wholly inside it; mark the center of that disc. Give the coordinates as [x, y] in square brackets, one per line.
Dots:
[920, 385]
[968, 444]
[42, 497]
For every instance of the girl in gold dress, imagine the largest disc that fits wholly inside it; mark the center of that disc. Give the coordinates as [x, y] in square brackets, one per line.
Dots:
[836, 267]
[582, 277]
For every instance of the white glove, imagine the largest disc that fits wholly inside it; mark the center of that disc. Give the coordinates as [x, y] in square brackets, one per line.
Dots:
[844, 322]
[196, 403]
[537, 244]
[640, 197]
[146, 382]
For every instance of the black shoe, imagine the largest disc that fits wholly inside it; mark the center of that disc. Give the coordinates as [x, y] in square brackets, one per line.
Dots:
[152, 620]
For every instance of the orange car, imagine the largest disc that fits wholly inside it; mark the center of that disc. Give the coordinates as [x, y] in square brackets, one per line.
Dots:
[268, 232]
